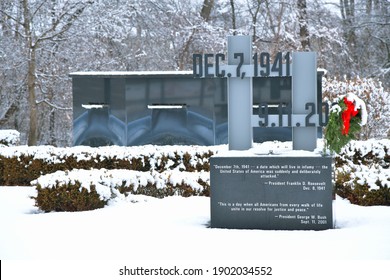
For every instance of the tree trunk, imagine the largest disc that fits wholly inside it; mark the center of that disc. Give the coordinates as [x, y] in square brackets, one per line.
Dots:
[254, 12]
[52, 121]
[233, 17]
[31, 81]
[32, 138]
[348, 14]
[206, 9]
[303, 29]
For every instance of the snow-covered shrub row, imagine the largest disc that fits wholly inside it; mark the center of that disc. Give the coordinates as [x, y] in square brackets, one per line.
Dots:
[362, 172]
[80, 190]
[377, 101]
[361, 169]
[9, 137]
[20, 165]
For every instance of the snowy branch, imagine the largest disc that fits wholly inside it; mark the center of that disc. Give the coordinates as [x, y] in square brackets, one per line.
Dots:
[53, 105]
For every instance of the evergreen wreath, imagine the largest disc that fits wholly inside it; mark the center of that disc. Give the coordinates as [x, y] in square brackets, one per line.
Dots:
[346, 118]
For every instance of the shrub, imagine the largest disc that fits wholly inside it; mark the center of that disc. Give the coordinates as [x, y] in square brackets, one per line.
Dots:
[9, 137]
[18, 167]
[80, 190]
[69, 197]
[361, 193]
[362, 173]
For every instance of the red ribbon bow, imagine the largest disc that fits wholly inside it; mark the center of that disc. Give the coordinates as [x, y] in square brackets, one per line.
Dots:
[348, 113]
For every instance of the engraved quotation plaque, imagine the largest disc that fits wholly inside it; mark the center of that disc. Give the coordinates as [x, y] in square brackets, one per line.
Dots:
[271, 192]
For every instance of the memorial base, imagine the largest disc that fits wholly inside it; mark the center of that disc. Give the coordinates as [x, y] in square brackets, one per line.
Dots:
[271, 193]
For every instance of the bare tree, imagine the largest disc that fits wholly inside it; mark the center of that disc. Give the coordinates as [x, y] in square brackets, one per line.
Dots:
[254, 8]
[41, 41]
[347, 9]
[34, 33]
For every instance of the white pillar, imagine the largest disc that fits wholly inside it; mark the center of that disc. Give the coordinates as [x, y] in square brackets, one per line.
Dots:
[304, 91]
[240, 95]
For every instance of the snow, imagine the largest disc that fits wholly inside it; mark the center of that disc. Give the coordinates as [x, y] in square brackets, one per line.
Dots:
[9, 137]
[94, 106]
[336, 109]
[371, 173]
[359, 105]
[56, 154]
[139, 227]
[142, 231]
[275, 149]
[106, 181]
[177, 227]
[129, 73]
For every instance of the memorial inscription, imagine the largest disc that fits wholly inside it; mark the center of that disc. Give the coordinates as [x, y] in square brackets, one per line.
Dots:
[260, 192]
[304, 114]
[268, 192]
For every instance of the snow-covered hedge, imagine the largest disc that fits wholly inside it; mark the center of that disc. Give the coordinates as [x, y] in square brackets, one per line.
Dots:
[20, 165]
[362, 172]
[9, 137]
[79, 190]
[88, 176]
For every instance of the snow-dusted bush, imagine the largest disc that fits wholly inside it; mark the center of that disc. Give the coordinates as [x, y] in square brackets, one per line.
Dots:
[20, 165]
[9, 137]
[68, 197]
[80, 190]
[362, 172]
[373, 94]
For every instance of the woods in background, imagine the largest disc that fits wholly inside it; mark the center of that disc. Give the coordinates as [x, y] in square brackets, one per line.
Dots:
[42, 41]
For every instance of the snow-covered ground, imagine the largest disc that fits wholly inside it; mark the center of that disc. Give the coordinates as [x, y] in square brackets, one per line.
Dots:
[177, 227]
[145, 230]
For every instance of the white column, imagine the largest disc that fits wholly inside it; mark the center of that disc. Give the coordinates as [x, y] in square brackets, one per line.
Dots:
[240, 95]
